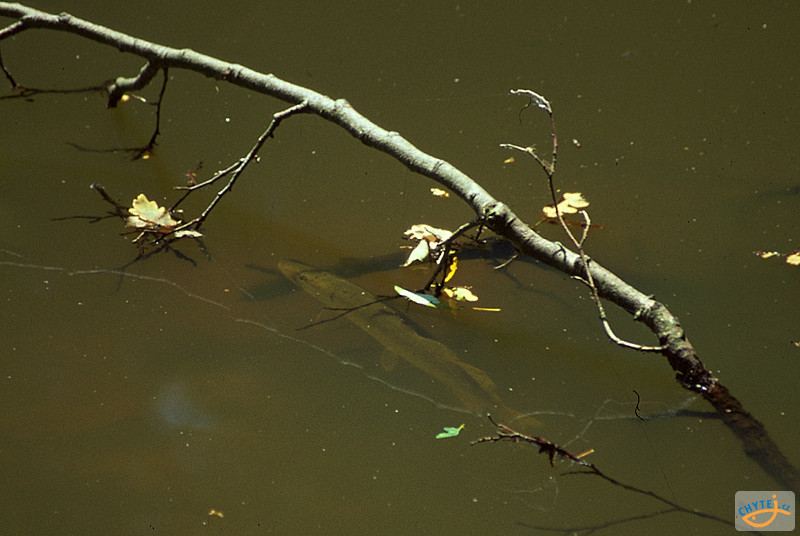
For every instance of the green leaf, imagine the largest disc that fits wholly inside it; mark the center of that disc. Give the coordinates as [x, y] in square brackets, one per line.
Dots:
[449, 431]
[417, 297]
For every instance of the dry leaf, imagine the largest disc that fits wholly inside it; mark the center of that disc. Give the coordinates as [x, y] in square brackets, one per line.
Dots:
[460, 294]
[419, 253]
[451, 271]
[431, 234]
[793, 258]
[767, 254]
[438, 192]
[188, 233]
[147, 214]
[570, 203]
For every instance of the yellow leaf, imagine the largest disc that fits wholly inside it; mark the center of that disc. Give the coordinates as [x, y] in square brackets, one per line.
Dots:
[575, 199]
[767, 254]
[460, 294]
[147, 214]
[452, 270]
[438, 192]
[569, 204]
[794, 258]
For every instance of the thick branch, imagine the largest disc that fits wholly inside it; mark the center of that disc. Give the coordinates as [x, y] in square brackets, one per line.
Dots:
[499, 217]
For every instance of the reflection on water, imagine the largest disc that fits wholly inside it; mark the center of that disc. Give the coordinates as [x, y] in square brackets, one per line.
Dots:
[139, 397]
[176, 409]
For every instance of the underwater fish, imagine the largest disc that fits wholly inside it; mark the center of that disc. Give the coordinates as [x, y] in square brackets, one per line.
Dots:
[470, 385]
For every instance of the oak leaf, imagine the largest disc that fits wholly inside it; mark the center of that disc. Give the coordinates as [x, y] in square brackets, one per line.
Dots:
[146, 214]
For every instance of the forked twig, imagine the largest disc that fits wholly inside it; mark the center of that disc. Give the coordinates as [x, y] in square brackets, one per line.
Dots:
[505, 433]
[550, 169]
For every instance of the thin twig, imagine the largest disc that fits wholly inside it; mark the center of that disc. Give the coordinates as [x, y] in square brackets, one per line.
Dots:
[240, 166]
[505, 433]
[550, 170]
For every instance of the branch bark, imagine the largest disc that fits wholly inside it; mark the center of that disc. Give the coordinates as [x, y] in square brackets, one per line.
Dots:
[681, 355]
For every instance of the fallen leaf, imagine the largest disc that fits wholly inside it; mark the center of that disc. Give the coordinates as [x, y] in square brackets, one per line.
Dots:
[421, 231]
[438, 192]
[449, 431]
[417, 297]
[451, 271]
[793, 258]
[188, 233]
[460, 294]
[419, 253]
[767, 254]
[570, 203]
[147, 214]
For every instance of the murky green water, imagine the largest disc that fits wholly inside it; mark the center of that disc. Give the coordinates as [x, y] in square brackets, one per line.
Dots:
[145, 397]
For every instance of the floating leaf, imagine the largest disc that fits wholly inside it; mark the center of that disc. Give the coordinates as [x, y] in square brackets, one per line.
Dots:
[449, 431]
[187, 233]
[451, 271]
[570, 203]
[417, 297]
[438, 192]
[422, 231]
[460, 294]
[767, 254]
[419, 253]
[433, 237]
[793, 258]
[147, 214]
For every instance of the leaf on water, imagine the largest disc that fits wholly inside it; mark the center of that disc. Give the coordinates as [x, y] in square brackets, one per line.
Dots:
[417, 297]
[460, 294]
[791, 258]
[187, 233]
[767, 254]
[570, 203]
[147, 214]
[432, 237]
[438, 192]
[424, 231]
[449, 431]
[451, 271]
[419, 253]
